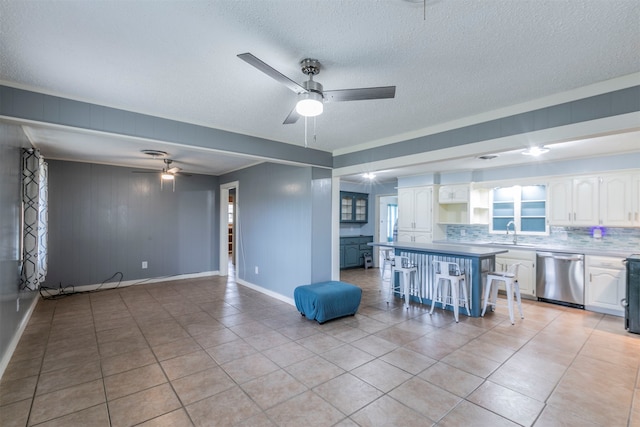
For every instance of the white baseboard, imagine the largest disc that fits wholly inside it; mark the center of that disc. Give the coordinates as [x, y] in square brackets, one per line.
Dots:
[112, 285]
[8, 353]
[266, 292]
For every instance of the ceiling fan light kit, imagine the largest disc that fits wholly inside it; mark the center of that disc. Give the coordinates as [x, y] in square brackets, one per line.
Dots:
[309, 104]
[311, 95]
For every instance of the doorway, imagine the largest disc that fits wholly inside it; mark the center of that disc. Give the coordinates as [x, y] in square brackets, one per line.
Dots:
[387, 215]
[229, 227]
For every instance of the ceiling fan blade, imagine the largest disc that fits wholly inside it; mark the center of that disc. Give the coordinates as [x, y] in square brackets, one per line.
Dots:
[271, 72]
[144, 172]
[359, 94]
[292, 117]
[174, 170]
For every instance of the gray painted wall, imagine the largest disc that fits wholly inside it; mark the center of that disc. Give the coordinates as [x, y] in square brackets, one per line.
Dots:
[106, 219]
[39, 107]
[277, 230]
[12, 139]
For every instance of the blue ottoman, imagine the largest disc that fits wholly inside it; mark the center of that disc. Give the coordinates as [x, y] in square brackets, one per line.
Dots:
[327, 300]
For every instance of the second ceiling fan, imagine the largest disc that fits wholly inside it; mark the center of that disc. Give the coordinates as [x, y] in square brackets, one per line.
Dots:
[311, 95]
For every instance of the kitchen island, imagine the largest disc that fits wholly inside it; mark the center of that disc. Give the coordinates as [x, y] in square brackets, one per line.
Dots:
[475, 262]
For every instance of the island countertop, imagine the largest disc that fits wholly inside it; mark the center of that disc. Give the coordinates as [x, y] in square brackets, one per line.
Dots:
[442, 249]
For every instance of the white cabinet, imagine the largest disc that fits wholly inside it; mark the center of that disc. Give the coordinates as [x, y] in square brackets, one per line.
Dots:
[611, 200]
[463, 204]
[414, 236]
[615, 200]
[574, 201]
[635, 199]
[605, 285]
[415, 206]
[526, 271]
[453, 194]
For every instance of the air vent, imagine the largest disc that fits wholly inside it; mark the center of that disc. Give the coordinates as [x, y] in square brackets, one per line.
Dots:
[488, 157]
[155, 153]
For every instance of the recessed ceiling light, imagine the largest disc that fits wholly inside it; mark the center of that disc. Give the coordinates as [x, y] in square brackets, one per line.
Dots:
[535, 151]
[488, 157]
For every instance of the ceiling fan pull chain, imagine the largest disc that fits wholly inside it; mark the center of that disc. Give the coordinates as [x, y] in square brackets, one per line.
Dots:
[314, 131]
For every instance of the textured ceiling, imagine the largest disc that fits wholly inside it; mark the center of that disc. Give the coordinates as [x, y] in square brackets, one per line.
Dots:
[177, 59]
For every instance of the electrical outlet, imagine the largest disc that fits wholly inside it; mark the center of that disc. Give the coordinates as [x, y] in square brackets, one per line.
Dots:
[144, 264]
[256, 269]
[463, 232]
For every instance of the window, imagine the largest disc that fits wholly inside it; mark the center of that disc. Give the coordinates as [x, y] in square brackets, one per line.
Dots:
[524, 206]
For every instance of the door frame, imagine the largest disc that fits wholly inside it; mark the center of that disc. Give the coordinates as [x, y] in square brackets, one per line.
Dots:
[223, 268]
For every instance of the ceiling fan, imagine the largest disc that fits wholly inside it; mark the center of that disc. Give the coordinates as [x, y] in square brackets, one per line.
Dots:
[168, 173]
[311, 96]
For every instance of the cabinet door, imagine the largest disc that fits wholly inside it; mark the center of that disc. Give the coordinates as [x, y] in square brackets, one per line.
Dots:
[615, 201]
[405, 208]
[405, 236]
[560, 205]
[526, 271]
[422, 237]
[605, 289]
[423, 205]
[585, 201]
[635, 200]
[351, 255]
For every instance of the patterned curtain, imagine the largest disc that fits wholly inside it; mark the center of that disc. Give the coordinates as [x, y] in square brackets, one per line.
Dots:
[35, 218]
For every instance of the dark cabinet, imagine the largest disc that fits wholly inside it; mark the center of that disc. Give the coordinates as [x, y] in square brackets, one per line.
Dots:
[353, 250]
[632, 306]
[354, 207]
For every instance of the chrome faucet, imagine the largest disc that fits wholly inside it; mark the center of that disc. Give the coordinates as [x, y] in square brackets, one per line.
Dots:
[515, 234]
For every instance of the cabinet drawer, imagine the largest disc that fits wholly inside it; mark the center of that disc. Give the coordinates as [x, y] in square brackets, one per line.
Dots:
[365, 248]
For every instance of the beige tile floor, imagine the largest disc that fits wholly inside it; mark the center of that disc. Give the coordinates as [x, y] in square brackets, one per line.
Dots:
[210, 352]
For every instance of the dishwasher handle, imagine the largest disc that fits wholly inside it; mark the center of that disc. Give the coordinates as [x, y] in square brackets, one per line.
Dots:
[561, 257]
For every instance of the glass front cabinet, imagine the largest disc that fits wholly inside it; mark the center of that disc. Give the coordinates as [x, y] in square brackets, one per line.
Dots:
[354, 207]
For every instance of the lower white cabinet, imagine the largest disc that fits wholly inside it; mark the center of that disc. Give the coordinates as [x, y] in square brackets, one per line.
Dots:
[526, 271]
[605, 284]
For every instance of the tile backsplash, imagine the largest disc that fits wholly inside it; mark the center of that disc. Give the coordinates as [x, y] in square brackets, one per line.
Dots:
[613, 239]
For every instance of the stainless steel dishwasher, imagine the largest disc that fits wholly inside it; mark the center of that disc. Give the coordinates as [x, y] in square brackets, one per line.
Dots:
[560, 278]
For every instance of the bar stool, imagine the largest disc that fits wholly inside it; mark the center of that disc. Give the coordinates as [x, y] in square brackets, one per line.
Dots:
[387, 260]
[449, 274]
[408, 273]
[510, 279]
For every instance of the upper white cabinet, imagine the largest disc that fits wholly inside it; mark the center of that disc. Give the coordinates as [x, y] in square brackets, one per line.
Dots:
[574, 201]
[605, 284]
[615, 200]
[611, 200]
[463, 204]
[453, 194]
[620, 200]
[415, 213]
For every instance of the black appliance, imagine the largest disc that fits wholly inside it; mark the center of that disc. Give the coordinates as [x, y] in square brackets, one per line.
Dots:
[631, 303]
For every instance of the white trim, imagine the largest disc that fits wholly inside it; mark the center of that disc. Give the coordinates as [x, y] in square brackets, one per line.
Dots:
[599, 127]
[11, 348]
[114, 285]
[599, 88]
[267, 292]
[335, 228]
[223, 247]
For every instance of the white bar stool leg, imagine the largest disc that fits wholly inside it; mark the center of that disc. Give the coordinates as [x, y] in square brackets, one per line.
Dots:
[516, 286]
[434, 295]
[463, 285]
[487, 292]
[509, 288]
[454, 298]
